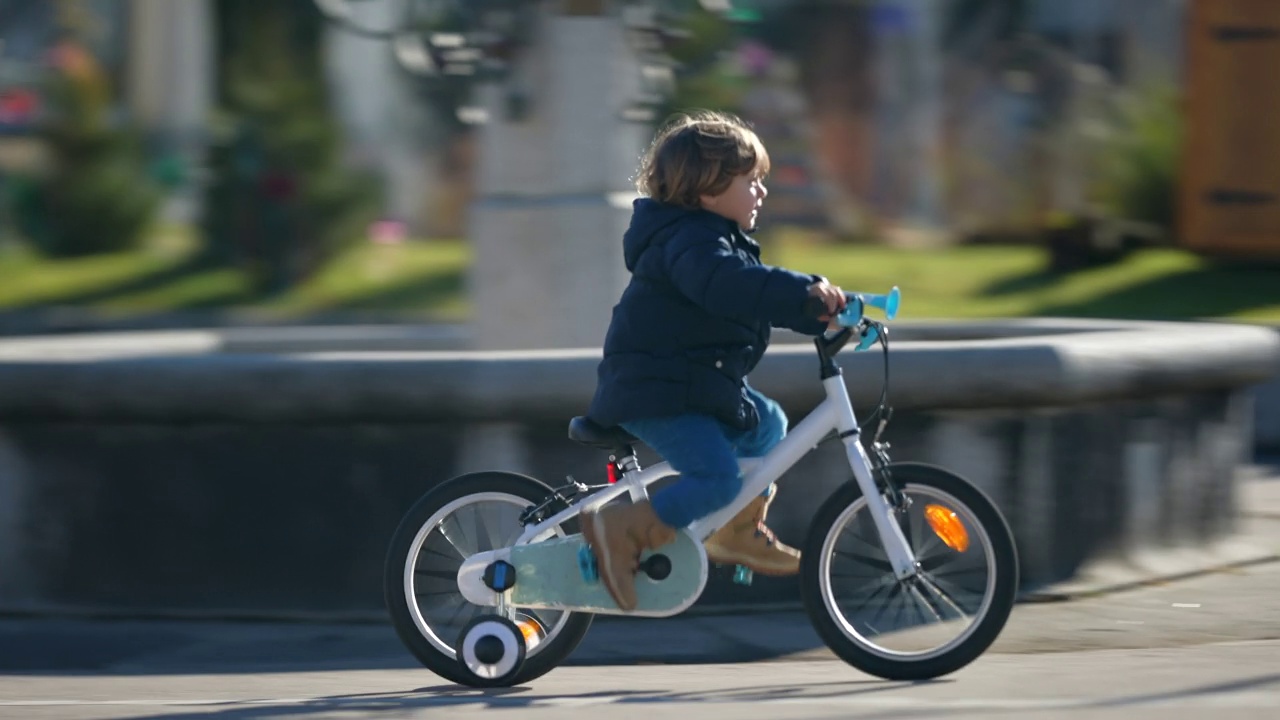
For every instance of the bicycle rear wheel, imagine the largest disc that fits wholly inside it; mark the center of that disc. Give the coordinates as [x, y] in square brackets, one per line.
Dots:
[928, 625]
[462, 516]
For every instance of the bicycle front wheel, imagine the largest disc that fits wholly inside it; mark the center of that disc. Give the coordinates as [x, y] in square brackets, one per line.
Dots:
[932, 623]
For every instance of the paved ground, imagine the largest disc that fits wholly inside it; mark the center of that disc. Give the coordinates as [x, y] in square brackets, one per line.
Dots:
[1220, 680]
[1209, 645]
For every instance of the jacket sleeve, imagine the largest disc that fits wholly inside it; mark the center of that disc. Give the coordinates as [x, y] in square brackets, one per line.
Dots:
[711, 273]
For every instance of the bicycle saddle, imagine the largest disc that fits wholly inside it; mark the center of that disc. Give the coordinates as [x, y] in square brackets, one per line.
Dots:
[589, 432]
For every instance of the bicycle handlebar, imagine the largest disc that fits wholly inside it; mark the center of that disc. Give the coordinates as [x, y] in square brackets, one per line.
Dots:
[856, 306]
[854, 313]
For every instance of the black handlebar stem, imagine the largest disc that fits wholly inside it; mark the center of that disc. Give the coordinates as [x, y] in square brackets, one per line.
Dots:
[828, 348]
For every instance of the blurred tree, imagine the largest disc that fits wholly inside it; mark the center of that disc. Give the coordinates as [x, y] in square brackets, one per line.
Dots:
[832, 43]
[94, 194]
[280, 201]
[696, 41]
[1142, 157]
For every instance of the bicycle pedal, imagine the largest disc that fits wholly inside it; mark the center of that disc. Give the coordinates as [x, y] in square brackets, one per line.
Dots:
[587, 565]
[743, 575]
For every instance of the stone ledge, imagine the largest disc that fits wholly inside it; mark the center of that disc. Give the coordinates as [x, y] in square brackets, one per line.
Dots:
[192, 376]
[200, 471]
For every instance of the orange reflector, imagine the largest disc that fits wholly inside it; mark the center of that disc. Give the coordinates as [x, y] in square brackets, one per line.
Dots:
[529, 630]
[947, 527]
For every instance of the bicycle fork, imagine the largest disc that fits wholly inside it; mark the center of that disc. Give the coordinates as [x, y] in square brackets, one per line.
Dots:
[896, 547]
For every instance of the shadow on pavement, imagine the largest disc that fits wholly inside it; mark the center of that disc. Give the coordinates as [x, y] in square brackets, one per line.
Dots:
[442, 696]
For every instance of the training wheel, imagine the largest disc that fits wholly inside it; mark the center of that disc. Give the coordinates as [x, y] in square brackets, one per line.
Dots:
[491, 651]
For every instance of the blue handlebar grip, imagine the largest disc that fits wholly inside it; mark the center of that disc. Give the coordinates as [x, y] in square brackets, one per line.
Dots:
[852, 313]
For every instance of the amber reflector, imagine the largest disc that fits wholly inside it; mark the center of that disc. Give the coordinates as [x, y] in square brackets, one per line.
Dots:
[530, 631]
[947, 527]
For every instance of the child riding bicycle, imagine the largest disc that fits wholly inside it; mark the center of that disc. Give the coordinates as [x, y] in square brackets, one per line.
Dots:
[694, 320]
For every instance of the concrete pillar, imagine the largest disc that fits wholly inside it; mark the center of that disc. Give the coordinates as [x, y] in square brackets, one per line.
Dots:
[171, 80]
[171, 66]
[553, 198]
[926, 127]
[908, 63]
[385, 121]
[554, 187]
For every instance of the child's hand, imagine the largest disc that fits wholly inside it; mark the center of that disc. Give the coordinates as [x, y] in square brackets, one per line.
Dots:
[831, 296]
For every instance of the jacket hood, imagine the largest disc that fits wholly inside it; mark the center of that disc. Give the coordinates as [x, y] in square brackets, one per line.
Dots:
[652, 220]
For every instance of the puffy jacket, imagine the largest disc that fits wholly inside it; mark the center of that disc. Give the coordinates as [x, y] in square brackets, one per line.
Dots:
[694, 320]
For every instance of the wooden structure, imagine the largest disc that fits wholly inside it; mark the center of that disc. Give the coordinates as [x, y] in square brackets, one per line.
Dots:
[1230, 186]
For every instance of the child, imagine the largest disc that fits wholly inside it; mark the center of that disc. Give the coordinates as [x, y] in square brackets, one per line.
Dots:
[693, 321]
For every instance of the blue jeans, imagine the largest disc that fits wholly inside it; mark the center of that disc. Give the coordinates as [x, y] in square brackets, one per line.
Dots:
[705, 452]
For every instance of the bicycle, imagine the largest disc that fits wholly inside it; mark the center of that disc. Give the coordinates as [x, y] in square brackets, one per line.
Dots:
[533, 592]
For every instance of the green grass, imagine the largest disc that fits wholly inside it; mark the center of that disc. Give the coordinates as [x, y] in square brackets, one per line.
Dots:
[981, 282]
[420, 279]
[425, 280]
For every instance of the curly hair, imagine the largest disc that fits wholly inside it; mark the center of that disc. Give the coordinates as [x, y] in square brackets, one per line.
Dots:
[697, 154]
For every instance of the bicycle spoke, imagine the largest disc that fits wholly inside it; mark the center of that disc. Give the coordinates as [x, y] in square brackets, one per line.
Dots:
[437, 593]
[871, 550]
[944, 593]
[471, 530]
[906, 608]
[873, 591]
[464, 607]
[453, 603]
[437, 574]
[895, 587]
[428, 551]
[932, 543]
[933, 563]
[924, 600]
[482, 530]
[882, 565]
[456, 538]
[968, 582]
[492, 531]
[961, 569]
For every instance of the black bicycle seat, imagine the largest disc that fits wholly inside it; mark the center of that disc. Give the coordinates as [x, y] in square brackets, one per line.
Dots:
[589, 432]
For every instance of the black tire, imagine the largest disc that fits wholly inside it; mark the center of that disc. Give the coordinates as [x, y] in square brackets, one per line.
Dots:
[550, 653]
[986, 628]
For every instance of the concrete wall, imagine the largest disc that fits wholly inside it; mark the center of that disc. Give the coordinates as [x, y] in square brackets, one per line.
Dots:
[1267, 414]
[155, 474]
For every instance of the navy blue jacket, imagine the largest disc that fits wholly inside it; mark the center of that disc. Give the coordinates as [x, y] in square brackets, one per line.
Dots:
[694, 319]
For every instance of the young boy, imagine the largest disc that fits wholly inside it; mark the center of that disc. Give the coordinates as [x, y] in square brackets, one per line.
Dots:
[692, 323]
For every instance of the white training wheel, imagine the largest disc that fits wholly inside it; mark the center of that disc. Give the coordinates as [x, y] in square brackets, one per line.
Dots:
[491, 650]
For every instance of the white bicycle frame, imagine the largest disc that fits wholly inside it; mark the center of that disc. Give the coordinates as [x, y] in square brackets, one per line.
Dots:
[835, 412]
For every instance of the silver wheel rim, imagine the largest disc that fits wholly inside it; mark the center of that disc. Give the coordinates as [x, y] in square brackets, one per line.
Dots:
[430, 579]
[931, 553]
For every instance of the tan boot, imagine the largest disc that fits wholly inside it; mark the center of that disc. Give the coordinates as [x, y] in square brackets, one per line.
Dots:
[745, 540]
[617, 535]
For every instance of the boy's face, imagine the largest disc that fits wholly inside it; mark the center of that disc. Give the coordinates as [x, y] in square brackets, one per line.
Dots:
[740, 202]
